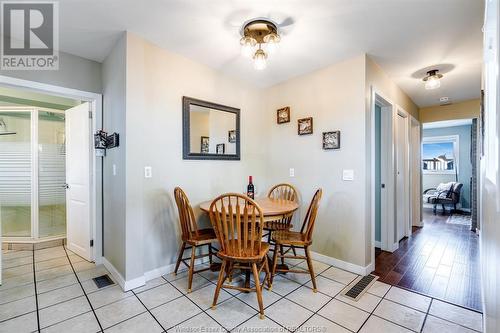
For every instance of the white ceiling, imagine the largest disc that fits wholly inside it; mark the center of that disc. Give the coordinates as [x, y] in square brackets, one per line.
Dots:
[402, 36]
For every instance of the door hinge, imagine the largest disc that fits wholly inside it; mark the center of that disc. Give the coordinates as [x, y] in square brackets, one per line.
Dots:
[90, 114]
[91, 243]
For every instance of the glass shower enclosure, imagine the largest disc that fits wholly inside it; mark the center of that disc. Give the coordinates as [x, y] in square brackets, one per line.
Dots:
[32, 174]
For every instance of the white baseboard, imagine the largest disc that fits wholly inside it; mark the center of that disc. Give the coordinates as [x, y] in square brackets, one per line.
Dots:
[418, 224]
[378, 244]
[360, 270]
[395, 246]
[158, 272]
[98, 260]
[126, 285]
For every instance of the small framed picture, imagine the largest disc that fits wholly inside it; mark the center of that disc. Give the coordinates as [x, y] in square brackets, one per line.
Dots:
[283, 115]
[220, 148]
[305, 126]
[231, 136]
[331, 140]
[205, 144]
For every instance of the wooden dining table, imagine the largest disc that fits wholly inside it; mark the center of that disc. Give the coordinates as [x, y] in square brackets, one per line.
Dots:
[272, 209]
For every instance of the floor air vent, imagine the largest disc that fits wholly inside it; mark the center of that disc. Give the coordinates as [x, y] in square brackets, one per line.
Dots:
[103, 281]
[359, 286]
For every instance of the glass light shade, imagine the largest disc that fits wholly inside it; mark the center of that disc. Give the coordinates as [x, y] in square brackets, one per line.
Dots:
[259, 60]
[272, 41]
[433, 82]
[247, 46]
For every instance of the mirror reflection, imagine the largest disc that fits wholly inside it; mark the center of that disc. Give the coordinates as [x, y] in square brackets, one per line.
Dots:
[212, 131]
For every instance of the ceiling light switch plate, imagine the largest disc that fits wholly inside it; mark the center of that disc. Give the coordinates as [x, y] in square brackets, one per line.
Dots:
[348, 175]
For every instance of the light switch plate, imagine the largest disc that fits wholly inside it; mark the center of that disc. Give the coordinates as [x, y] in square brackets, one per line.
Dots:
[148, 172]
[292, 172]
[348, 175]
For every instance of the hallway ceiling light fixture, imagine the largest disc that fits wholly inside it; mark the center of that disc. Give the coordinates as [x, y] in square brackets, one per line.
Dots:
[433, 79]
[263, 35]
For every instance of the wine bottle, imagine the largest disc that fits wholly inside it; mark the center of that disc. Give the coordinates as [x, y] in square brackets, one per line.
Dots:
[250, 188]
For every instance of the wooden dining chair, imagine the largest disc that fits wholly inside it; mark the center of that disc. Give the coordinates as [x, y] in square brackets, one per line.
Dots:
[281, 191]
[298, 239]
[238, 222]
[191, 236]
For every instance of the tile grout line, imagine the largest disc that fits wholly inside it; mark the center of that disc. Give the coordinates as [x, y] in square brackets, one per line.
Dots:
[436, 298]
[152, 315]
[426, 314]
[317, 311]
[36, 293]
[68, 319]
[203, 311]
[320, 274]
[290, 292]
[83, 289]
[375, 308]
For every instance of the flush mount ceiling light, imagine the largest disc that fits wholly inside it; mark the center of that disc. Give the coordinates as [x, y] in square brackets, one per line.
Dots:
[259, 37]
[433, 79]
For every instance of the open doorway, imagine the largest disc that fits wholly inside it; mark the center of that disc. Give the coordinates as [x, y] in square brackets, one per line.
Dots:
[47, 169]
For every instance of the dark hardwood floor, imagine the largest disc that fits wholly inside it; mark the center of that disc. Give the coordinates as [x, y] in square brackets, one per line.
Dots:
[441, 259]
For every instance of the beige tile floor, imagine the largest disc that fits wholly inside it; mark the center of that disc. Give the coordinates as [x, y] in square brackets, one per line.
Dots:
[51, 290]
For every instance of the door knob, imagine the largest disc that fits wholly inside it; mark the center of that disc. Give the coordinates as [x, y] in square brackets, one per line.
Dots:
[65, 186]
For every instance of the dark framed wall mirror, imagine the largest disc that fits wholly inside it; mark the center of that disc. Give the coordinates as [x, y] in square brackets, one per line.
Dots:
[210, 131]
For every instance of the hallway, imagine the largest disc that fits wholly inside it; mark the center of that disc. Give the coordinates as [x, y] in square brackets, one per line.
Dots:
[440, 260]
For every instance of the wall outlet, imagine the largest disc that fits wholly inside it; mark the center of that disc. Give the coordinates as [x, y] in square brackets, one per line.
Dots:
[292, 172]
[114, 169]
[148, 172]
[348, 175]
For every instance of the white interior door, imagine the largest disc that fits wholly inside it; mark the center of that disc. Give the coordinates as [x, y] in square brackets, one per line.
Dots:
[78, 178]
[400, 177]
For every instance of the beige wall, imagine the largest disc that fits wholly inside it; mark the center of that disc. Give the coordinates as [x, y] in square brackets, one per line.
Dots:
[378, 79]
[461, 110]
[74, 72]
[199, 123]
[114, 106]
[156, 82]
[334, 98]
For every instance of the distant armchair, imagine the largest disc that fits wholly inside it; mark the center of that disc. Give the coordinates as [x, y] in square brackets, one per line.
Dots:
[444, 194]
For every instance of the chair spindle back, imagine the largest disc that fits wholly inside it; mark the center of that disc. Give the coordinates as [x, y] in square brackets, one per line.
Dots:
[283, 191]
[310, 218]
[237, 221]
[186, 214]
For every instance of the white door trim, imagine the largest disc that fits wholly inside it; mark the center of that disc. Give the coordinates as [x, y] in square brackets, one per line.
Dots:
[95, 101]
[406, 169]
[415, 173]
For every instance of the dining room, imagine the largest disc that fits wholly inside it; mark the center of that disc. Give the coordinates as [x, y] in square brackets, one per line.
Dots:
[235, 192]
